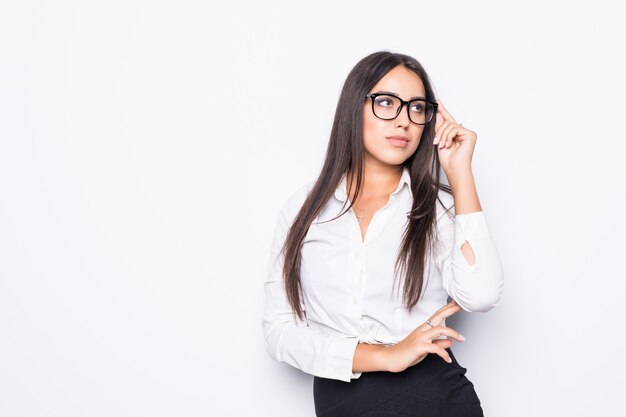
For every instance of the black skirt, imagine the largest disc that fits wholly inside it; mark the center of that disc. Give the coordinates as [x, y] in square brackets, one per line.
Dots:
[431, 388]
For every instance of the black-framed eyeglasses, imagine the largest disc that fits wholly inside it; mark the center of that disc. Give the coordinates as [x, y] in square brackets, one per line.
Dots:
[387, 107]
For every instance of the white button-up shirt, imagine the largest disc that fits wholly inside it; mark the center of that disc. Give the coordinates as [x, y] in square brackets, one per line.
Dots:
[347, 282]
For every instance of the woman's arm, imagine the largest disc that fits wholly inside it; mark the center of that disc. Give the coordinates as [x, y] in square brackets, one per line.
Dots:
[369, 358]
[294, 342]
[469, 262]
[465, 202]
[475, 282]
[413, 348]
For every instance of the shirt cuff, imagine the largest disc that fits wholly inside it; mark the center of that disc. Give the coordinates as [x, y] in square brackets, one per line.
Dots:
[343, 351]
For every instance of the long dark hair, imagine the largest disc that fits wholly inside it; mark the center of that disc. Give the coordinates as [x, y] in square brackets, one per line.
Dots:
[345, 154]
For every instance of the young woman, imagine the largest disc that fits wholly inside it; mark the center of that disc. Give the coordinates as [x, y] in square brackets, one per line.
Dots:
[333, 306]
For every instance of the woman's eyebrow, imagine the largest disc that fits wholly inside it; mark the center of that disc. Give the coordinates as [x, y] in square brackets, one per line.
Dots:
[396, 94]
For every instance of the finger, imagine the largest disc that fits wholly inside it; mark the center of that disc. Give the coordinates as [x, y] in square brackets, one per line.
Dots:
[452, 304]
[445, 112]
[438, 121]
[442, 113]
[438, 350]
[444, 343]
[438, 132]
[445, 312]
[446, 136]
[442, 331]
[438, 319]
[453, 135]
[457, 135]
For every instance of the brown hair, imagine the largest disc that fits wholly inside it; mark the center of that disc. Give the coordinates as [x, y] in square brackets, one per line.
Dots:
[345, 154]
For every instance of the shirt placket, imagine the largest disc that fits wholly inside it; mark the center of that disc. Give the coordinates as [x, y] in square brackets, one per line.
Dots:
[355, 275]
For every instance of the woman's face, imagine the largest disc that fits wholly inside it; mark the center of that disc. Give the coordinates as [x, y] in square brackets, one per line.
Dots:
[378, 148]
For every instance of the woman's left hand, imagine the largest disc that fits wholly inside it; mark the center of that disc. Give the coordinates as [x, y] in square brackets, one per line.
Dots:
[455, 144]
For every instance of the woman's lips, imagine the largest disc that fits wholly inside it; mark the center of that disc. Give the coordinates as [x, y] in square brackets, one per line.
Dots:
[397, 141]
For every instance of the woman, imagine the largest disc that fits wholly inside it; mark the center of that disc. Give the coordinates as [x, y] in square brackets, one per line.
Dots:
[330, 305]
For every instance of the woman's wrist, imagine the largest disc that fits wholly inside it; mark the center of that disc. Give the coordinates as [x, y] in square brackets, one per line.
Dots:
[464, 193]
[370, 358]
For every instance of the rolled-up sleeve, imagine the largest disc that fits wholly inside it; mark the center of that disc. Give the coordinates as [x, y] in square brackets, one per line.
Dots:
[477, 287]
[290, 340]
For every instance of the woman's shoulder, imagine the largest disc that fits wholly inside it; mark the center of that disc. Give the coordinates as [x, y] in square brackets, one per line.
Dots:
[292, 204]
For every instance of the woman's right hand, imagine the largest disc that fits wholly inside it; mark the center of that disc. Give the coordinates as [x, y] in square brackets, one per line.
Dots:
[422, 341]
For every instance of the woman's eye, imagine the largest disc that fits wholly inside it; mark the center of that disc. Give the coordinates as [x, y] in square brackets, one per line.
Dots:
[418, 108]
[383, 102]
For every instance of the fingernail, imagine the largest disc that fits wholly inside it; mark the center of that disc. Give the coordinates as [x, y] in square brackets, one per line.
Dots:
[461, 337]
[441, 145]
[449, 360]
[435, 141]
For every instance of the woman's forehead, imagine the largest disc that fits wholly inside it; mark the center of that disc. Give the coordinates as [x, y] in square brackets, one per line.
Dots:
[402, 82]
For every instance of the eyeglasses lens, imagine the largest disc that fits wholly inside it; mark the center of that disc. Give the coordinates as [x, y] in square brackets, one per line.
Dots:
[386, 107]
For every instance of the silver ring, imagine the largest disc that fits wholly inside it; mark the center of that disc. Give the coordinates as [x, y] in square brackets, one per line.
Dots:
[429, 323]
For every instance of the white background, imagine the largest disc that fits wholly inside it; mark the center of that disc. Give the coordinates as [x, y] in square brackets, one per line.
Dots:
[147, 146]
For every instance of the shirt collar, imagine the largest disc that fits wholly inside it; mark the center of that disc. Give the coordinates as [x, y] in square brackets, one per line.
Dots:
[341, 191]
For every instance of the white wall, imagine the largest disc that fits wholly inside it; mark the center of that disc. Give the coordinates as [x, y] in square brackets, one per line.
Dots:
[142, 168]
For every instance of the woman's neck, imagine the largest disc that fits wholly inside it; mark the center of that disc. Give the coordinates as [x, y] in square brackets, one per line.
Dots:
[378, 181]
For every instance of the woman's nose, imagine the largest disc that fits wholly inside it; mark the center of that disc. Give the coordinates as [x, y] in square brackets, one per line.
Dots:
[403, 117]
